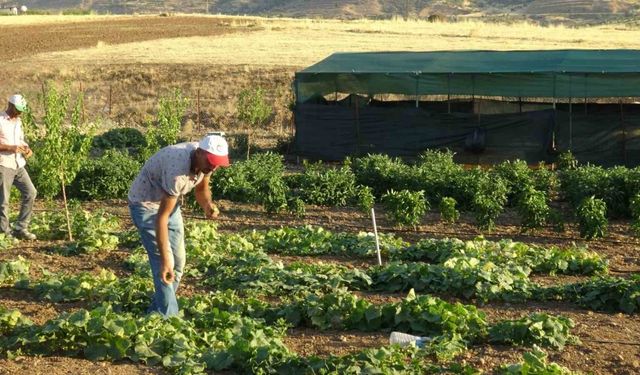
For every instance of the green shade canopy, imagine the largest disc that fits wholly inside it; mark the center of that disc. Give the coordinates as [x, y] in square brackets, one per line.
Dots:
[544, 73]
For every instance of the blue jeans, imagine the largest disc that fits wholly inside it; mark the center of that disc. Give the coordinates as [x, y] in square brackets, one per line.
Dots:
[164, 299]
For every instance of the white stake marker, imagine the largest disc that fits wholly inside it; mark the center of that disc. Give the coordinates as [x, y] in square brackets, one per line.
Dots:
[375, 232]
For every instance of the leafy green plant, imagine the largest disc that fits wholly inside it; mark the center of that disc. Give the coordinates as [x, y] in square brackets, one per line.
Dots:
[246, 181]
[405, 207]
[106, 177]
[324, 186]
[604, 294]
[544, 179]
[448, 211]
[7, 242]
[435, 172]
[11, 320]
[534, 363]
[381, 173]
[254, 111]
[296, 206]
[13, 271]
[551, 260]
[62, 145]
[533, 208]
[489, 200]
[634, 207]
[364, 198]
[121, 139]
[592, 218]
[165, 129]
[535, 329]
[609, 184]
[567, 161]
[517, 177]
[93, 231]
[273, 194]
[310, 240]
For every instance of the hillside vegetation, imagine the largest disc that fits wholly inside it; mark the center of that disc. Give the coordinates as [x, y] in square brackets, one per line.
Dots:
[582, 11]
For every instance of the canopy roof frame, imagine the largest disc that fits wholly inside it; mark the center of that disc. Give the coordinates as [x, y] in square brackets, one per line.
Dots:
[543, 73]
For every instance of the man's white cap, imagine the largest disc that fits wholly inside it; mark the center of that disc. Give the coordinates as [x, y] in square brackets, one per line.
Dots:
[217, 150]
[19, 102]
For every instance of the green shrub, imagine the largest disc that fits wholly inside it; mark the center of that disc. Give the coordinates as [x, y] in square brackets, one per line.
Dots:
[436, 173]
[489, 200]
[243, 180]
[381, 173]
[465, 187]
[448, 211]
[592, 218]
[517, 177]
[165, 130]
[325, 186]
[609, 185]
[405, 207]
[533, 208]
[364, 198]
[272, 193]
[120, 138]
[566, 161]
[296, 206]
[544, 179]
[106, 177]
[634, 207]
[556, 220]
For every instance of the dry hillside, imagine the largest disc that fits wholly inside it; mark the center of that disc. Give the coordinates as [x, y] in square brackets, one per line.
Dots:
[569, 10]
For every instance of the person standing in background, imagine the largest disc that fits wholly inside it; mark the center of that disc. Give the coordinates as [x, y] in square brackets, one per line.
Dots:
[13, 154]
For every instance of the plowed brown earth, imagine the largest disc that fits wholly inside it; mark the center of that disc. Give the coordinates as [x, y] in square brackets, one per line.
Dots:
[17, 41]
[609, 341]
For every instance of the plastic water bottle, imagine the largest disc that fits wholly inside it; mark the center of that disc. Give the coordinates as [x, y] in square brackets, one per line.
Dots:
[405, 339]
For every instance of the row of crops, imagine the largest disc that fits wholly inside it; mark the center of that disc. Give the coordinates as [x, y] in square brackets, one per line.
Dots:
[407, 191]
[248, 300]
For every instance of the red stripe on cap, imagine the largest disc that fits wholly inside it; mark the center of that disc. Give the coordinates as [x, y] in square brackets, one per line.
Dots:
[218, 160]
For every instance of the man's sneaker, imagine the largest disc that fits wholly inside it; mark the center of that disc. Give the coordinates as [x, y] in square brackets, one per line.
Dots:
[24, 235]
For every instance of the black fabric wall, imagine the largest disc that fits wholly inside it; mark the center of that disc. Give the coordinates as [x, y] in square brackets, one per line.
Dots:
[335, 130]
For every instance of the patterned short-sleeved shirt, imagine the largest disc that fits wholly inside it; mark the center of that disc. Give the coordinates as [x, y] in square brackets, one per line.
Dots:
[168, 171]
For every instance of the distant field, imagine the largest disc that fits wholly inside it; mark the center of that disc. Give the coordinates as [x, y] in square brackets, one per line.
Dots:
[134, 59]
[285, 42]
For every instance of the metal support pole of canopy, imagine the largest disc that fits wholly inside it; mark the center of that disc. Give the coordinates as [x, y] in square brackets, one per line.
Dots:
[586, 87]
[520, 103]
[570, 112]
[473, 94]
[357, 123]
[417, 90]
[449, 93]
[624, 134]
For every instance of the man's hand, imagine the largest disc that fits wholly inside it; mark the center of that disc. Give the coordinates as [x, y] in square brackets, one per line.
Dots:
[28, 152]
[21, 149]
[166, 273]
[211, 211]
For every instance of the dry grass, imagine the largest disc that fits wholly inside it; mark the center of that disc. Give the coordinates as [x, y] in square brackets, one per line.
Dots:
[298, 43]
